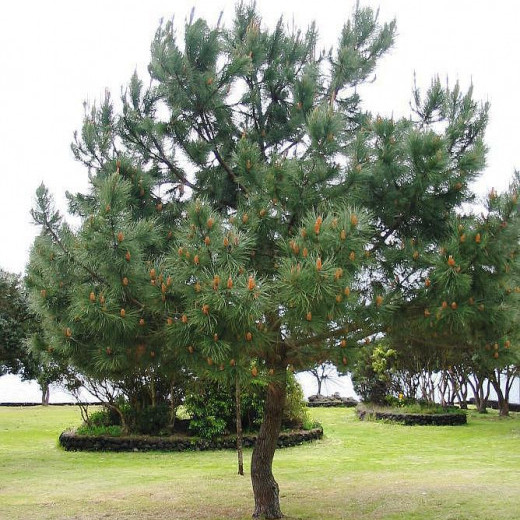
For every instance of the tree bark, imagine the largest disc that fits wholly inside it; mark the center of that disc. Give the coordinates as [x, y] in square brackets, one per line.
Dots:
[479, 394]
[443, 387]
[45, 394]
[461, 382]
[265, 487]
[240, 452]
[503, 404]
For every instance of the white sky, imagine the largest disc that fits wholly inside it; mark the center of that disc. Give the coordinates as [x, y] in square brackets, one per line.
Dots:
[54, 54]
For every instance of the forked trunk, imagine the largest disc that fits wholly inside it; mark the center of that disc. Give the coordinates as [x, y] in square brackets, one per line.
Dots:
[503, 404]
[265, 487]
[479, 394]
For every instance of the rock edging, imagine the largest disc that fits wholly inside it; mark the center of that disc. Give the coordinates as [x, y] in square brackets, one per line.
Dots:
[70, 441]
[416, 419]
[331, 401]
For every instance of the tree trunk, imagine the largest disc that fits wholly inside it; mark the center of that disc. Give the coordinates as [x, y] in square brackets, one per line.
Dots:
[503, 404]
[462, 395]
[240, 453]
[463, 392]
[503, 407]
[124, 425]
[442, 387]
[45, 394]
[265, 487]
[478, 392]
[173, 406]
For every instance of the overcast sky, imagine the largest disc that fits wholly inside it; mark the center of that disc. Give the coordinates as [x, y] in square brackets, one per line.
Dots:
[55, 54]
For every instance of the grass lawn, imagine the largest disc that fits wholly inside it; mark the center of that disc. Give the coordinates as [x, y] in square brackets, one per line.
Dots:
[360, 470]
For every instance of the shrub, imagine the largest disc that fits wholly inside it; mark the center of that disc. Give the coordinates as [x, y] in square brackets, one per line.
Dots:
[211, 407]
[152, 420]
[100, 430]
[372, 373]
[295, 412]
[101, 418]
[410, 407]
[309, 424]
[429, 408]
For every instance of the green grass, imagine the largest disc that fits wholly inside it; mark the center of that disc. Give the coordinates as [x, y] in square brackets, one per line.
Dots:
[360, 470]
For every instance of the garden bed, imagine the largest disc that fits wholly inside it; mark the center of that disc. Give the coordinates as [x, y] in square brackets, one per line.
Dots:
[436, 418]
[71, 441]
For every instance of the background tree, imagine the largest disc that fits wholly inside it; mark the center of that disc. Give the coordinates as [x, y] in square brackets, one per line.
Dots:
[324, 373]
[467, 309]
[15, 321]
[373, 373]
[310, 222]
[17, 325]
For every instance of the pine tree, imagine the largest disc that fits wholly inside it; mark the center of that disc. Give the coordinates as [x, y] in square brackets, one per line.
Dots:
[99, 292]
[469, 297]
[307, 221]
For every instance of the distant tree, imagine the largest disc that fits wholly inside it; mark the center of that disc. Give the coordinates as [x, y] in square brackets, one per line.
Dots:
[323, 373]
[15, 323]
[46, 369]
[373, 373]
[468, 307]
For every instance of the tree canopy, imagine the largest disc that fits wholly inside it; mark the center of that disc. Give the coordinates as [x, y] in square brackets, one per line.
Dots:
[14, 322]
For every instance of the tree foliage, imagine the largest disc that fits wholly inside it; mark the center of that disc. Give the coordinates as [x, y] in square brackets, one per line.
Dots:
[14, 325]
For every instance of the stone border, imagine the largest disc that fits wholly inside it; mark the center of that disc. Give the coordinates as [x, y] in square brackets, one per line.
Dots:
[416, 419]
[331, 401]
[14, 405]
[513, 407]
[70, 441]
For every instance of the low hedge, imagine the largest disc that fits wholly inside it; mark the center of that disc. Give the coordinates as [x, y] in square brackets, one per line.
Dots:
[70, 441]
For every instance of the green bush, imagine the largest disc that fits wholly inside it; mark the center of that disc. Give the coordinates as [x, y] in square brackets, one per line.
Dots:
[211, 407]
[252, 407]
[310, 424]
[100, 430]
[152, 420]
[101, 418]
[399, 402]
[372, 373]
[429, 408]
[295, 412]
